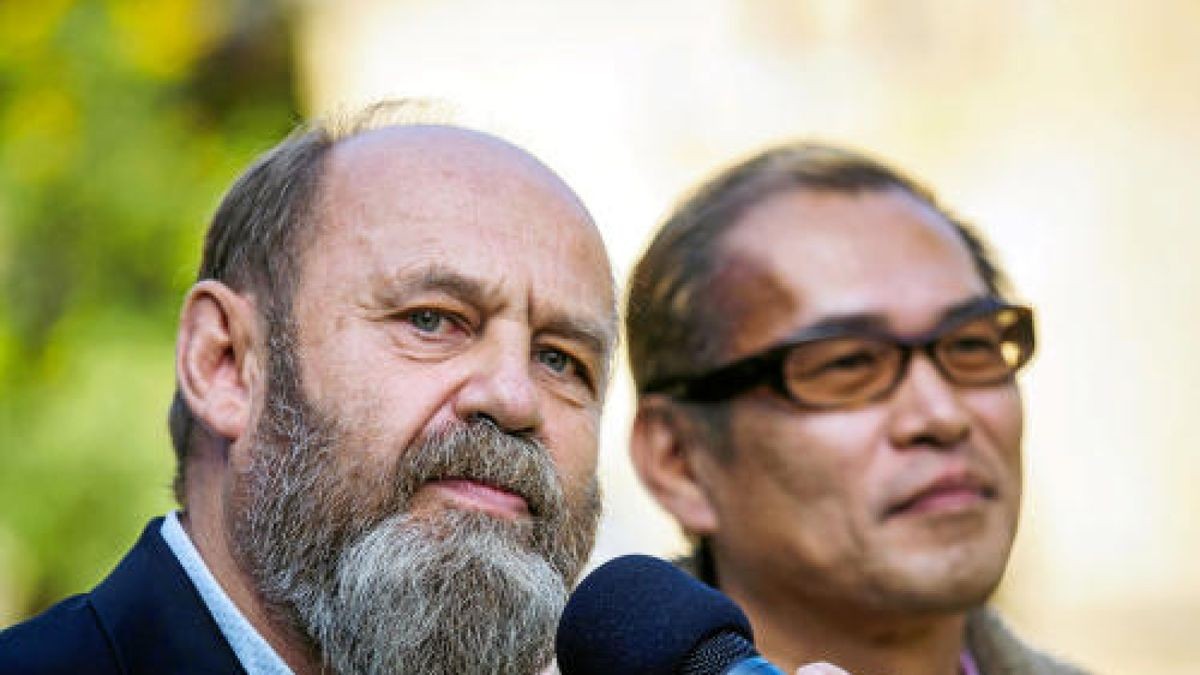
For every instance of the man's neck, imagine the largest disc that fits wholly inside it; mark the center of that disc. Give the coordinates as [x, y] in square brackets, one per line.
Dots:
[791, 634]
[202, 522]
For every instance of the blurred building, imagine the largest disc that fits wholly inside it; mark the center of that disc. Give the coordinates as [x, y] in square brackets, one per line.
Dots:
[1066, 130]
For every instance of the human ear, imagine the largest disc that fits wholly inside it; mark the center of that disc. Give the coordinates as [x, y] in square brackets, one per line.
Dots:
[216, 362]
[664, 446]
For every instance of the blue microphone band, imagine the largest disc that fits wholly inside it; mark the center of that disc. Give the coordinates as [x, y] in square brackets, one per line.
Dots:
[755, 665]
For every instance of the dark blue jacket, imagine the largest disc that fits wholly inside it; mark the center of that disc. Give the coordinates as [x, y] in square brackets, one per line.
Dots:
[146, 617]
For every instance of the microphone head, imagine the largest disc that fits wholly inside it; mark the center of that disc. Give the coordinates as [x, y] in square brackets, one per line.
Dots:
[638, 614]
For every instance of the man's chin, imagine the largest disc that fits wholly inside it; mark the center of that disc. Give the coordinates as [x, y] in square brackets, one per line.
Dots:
[938, 589]
[941, 575]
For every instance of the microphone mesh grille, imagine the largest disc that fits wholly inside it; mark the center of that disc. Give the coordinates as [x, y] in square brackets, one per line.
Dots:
[716, 654]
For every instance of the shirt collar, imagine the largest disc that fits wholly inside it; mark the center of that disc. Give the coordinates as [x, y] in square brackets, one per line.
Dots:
[256, 656]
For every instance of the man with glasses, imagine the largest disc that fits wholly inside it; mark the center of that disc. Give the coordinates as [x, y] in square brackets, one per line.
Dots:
[826, 366]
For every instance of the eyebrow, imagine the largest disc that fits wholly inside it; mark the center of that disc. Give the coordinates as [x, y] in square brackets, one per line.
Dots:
[436, 278]
[875, 322]
[597, 335]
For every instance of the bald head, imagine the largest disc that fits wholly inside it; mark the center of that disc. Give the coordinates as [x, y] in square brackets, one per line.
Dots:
[446, 172]
[438, 151]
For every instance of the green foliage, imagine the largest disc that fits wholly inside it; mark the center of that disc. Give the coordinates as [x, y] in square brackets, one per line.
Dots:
[121, 123]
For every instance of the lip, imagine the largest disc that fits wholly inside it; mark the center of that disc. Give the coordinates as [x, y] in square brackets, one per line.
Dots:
[472, 494]
[950, 492]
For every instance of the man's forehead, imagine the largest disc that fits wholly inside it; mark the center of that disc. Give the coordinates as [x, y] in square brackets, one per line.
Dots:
[462, 211]
[805, 256]
[424, 170]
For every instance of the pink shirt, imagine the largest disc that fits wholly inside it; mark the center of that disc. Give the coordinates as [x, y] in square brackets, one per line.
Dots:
[966, 664]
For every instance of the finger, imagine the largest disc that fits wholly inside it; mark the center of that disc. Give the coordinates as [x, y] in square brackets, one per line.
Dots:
[820, 669]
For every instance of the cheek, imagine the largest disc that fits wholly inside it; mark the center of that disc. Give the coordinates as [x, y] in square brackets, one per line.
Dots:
[572, 439]
[813, 465]
[797, 488]
[384, 406]
[999, 418]
[827, 453]
[998, 422]
[333, 369]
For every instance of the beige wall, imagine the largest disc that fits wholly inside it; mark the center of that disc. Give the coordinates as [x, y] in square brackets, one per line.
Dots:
[1068, 130]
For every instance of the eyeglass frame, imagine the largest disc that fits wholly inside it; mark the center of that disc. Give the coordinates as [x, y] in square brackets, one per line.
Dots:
[767, 366]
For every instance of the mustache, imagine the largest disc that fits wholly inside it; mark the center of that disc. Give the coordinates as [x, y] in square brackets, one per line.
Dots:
[478, 450]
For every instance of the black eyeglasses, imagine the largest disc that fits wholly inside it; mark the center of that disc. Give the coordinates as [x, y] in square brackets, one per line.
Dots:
[837, 366]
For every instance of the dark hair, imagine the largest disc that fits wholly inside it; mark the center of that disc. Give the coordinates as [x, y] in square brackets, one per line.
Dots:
[666, 324]
[256, 237]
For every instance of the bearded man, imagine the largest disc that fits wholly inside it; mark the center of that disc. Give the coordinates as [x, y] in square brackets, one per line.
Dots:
[390, 375]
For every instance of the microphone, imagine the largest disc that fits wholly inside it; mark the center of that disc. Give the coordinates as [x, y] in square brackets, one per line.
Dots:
[638, 615]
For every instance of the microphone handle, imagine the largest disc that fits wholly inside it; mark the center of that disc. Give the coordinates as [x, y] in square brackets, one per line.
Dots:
[755, 665]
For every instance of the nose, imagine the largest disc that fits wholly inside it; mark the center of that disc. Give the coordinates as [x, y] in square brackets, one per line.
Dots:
[501, 388]
[927, 409]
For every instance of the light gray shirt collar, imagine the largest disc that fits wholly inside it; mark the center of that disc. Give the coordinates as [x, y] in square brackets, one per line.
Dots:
[257, 657]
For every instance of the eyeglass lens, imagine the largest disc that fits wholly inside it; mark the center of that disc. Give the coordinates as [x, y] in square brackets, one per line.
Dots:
[849, 370]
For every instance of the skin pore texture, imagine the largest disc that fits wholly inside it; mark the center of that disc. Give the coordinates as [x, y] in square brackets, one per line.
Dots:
[857, 536]
[399, 473]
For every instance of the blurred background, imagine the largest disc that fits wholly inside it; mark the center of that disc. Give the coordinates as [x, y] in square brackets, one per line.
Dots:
[1067, 130]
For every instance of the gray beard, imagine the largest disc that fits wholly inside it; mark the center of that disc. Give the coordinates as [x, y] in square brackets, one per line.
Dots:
[465, 602]
[372, 588]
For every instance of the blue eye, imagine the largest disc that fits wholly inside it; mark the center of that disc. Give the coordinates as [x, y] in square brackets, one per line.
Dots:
[554, 360]
[427, 320]
[433, 329]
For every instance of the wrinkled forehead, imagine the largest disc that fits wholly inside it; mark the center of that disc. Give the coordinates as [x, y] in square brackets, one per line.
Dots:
[401, 199]
[803, 256]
